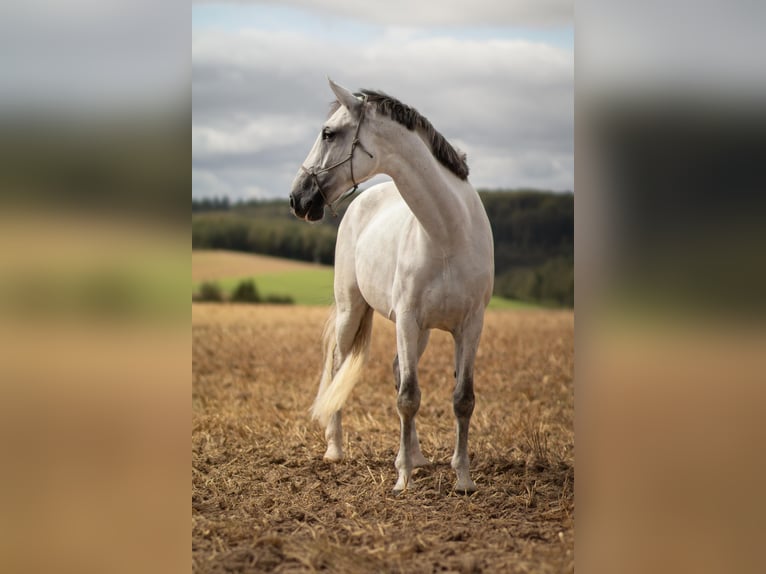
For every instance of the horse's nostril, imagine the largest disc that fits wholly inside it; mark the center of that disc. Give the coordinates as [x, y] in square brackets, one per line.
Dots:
[292, 202]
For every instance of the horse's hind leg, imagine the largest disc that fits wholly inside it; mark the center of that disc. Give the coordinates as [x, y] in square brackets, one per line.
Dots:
[466, 345]
[417, 456]
[350, 321]
[408, 400]
[333, 434]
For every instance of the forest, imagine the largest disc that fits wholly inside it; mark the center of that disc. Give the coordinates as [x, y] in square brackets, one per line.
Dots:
[533, 232]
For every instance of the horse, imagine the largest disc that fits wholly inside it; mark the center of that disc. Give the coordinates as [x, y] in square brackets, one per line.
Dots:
[417, 250]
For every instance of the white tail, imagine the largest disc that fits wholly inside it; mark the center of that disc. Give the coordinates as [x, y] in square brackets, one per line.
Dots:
[334, 391]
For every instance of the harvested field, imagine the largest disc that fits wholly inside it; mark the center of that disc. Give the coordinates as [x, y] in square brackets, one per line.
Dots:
[263, 499]
[212, 264]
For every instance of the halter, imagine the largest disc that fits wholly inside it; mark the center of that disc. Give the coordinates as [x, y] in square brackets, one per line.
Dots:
[314, 172]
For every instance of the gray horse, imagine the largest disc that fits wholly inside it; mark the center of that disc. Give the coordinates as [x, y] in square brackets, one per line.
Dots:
[418, 250]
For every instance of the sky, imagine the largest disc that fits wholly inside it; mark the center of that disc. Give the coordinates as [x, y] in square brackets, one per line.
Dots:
[495, 78]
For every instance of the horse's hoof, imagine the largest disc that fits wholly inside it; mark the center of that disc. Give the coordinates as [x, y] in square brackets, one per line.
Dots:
[465, 492]
[333, 455]
[401, 485]
[465, 489]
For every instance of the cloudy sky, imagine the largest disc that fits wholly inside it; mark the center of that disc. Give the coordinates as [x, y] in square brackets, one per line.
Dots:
[496, 78]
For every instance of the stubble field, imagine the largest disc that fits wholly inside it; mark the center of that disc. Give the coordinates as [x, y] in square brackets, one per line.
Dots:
[263, 500]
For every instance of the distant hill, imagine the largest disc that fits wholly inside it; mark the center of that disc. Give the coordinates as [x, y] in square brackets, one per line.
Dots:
[209, 265]
[533, 231]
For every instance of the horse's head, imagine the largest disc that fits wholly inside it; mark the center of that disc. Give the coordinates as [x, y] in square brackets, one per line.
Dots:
[338, 161]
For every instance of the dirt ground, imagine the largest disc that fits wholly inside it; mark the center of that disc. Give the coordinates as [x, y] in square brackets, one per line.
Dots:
[263, 500]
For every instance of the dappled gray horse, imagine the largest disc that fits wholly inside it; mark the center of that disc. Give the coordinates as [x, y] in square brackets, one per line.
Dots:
[417, 250]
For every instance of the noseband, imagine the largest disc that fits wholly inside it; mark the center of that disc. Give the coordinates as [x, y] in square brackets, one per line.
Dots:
[314, 172]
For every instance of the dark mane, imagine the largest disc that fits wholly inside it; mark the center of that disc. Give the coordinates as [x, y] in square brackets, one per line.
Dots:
[410, 118]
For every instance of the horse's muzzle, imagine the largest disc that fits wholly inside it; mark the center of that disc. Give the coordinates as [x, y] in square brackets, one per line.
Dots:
[308, 206]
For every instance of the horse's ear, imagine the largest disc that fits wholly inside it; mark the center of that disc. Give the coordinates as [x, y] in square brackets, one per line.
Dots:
[346, 98]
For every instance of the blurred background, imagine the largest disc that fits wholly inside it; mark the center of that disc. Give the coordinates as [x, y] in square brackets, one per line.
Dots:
[671, 126]
[94, 269]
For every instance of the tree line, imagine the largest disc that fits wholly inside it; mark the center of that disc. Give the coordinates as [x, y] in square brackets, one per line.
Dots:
[533, 232]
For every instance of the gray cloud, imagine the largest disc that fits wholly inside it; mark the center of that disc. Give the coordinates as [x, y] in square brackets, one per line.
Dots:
[442, 12]
[260, 96]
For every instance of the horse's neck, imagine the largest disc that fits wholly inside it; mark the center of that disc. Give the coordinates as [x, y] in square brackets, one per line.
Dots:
[436, 197]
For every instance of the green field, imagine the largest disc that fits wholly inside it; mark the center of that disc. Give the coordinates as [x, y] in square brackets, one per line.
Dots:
[502, 303]
[306, 287]
[315, 287]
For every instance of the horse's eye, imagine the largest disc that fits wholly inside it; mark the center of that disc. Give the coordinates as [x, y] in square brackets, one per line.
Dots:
[327, 135]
